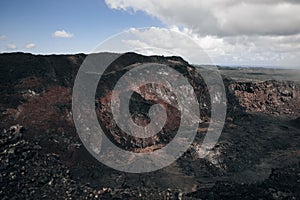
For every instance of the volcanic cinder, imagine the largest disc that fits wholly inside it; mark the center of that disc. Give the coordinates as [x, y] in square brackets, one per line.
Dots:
[41, 155]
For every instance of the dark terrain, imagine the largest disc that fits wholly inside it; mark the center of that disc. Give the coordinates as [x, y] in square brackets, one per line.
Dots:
[41, 155]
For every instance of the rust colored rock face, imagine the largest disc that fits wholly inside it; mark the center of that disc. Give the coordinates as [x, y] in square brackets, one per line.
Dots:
[146, 96]
[271, 97]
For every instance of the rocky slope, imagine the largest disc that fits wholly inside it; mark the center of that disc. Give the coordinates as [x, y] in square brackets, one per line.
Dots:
[41, 154]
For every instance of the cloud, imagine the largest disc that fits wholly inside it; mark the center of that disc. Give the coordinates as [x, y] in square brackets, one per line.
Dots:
[11, 46]
[30, 46]
[62, 34]
[238, 50]
[3, 37]
[263, 32]
[160, 41]
[222, 17]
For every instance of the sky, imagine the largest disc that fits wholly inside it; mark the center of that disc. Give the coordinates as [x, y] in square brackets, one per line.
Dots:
[231, 32]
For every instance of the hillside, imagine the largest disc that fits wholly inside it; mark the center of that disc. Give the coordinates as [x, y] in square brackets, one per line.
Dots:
[41, 155]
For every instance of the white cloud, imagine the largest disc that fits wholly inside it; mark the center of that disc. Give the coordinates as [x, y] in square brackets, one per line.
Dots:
[3, 37]
[222, 17]
[11, 46]
[263, 32]
[238, 50]
[62, 34]
[30, 46]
